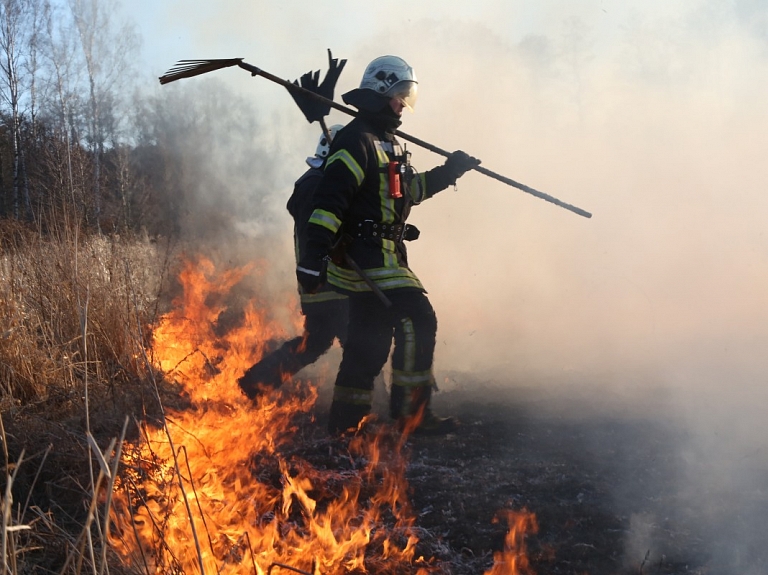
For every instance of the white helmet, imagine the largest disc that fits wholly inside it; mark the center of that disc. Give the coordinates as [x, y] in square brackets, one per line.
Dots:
[392, 77]
[324, 144]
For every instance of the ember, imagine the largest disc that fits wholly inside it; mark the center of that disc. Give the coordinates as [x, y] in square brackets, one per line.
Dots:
[221, 487]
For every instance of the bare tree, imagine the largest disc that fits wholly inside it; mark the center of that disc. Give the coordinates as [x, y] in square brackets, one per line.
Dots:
[59, 48]
[14, 29]
[32, 67]
[107, 54]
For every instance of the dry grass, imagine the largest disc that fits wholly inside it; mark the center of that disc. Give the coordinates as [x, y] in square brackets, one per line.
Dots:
[71, 309]
[75, 313]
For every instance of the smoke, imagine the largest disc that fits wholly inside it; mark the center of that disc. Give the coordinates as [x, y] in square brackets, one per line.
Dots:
[221, 183]
[650, 115]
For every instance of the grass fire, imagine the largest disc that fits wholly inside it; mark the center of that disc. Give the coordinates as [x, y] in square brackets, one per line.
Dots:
[225, 484]
[209, 481]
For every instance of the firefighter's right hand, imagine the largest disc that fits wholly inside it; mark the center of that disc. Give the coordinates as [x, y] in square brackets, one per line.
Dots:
[458, 163]
[311, 273]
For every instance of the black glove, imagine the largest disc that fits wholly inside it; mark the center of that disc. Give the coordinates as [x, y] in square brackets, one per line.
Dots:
[458, 163]
[331, 76]
[313, 109]
[311, 273]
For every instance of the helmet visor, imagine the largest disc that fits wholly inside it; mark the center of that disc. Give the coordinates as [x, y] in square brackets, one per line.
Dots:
[406, 92]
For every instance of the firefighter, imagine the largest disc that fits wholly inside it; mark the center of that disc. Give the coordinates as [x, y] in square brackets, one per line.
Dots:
[362, 203]
[325, 311]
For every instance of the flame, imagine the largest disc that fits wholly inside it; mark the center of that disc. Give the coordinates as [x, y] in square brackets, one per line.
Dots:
[216, 489]
[211, 491]
[513, 559]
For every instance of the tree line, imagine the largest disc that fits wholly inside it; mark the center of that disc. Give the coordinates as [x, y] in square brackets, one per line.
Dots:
[75, 144]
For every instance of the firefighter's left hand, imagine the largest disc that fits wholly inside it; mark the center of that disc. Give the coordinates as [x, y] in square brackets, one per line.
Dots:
[459, 162]
[311, 274]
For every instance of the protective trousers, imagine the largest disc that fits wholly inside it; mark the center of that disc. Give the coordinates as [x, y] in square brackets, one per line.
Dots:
[413, 324]
[323, 322]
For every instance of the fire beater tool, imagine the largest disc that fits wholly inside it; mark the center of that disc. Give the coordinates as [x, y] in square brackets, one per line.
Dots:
[315, 110]
[190, 68]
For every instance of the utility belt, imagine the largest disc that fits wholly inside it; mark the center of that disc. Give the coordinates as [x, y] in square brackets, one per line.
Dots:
[368, 229]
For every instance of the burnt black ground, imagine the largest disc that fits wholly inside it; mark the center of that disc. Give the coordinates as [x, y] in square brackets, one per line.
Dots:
[613, 486]
[618, 486]
[609, 484]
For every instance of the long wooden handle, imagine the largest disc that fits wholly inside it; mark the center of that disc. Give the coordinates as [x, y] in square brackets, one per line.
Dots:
[414, 140]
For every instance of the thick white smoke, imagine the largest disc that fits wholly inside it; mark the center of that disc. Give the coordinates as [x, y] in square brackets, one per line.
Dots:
[650, 115]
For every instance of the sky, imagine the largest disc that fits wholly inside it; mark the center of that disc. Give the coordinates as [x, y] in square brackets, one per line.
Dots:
[649, 114]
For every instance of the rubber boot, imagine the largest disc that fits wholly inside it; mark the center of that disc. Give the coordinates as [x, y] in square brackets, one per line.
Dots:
[397, 398]
[281, 362]
[410, 407]
[261, 377]
[346, 416]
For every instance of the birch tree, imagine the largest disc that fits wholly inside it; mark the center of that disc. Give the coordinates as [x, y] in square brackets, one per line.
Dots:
[15, 25]
[61, 59]
[107, 52]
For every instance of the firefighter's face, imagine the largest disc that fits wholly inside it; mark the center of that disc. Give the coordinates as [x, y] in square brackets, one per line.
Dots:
[397, 105]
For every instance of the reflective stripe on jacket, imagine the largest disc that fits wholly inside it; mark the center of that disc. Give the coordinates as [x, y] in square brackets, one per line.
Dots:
[355, 188]
[300, 207]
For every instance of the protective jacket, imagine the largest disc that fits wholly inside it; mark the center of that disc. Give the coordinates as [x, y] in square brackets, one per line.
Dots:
[357, 201]
[326, 312]
[300, 207]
